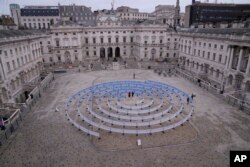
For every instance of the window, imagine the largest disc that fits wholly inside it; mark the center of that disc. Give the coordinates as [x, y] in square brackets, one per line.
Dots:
[65, 33]
[124, 39]
[214, 56]
[101, 40]
[215, 46]
[57, 43]
[94, 40]
[18, 62]
[86, 40]
[160, 40]
[94, 53]
[8, 66]
[109, 39]
[14, 64]
[221, 47]
[74, 33]
[208, 55]
[131, 39]
[220, 58]
[116, 39]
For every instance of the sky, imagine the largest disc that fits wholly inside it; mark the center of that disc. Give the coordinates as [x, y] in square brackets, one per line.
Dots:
[142, 5]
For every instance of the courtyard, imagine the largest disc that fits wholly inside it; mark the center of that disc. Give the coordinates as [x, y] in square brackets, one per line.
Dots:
[46, 138]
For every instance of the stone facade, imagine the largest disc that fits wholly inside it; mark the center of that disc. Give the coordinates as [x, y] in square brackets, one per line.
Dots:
[21, 64]
[218, 56]
[109, 39]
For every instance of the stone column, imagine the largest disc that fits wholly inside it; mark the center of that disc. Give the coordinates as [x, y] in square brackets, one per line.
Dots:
[248, 65]
[228, 56]
[231, 58]
[106, 53]
[240, 59]
[113, 50]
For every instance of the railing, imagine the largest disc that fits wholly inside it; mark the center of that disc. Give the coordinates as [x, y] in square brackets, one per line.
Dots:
[11, 124]
[242, 104]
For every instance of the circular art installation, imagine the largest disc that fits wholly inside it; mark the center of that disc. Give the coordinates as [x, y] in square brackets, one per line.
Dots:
[128, 108]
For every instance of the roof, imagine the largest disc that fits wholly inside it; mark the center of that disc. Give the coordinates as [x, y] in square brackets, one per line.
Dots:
[39, 12]
[18, 33]
[237, 31]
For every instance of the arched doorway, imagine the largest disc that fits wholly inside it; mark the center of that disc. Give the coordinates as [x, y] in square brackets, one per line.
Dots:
[102, 53]
[67, 57]
[238, 81]
[247, 87]
[153, 52]
[5, 94]
[117, 52]
[110, 52]
[230, 80]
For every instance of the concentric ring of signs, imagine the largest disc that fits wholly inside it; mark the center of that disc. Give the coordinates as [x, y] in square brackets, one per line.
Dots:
[128, 107]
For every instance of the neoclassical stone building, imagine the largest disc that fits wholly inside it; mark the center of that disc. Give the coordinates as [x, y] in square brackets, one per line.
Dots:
[220, 56]
[20, 62]
[109, 38]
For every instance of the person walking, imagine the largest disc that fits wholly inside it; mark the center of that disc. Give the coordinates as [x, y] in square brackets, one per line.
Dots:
[132, 94]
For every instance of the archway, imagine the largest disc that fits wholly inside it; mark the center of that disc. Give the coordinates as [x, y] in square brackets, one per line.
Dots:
[102, 53]
[110, 52]
[247, 87]
[117, 52]
[67, 57]
[153, 51]
[5, 94]
[230, 80]
[238, 81]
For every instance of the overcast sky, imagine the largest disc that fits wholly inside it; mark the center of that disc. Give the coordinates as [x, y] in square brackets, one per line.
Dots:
[143, 5]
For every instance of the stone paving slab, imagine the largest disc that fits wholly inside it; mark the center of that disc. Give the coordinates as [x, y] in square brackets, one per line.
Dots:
[45, 137]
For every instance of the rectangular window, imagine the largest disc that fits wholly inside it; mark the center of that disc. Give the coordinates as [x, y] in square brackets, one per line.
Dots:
[57, 43]
[160, 40]
[86, 40]
[101, 40]
[214, 56]
[109, 39]
[94, 40]
[116, 39]
[220, 58]
[8, 66]
[124, 39]
[131, 39]
[14, 64]
[18, 62]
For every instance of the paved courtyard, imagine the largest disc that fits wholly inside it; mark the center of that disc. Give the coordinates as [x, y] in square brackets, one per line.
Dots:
[46, 138]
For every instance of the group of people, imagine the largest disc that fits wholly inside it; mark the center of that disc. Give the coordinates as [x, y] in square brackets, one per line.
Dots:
[131, 94]
[192, 97]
